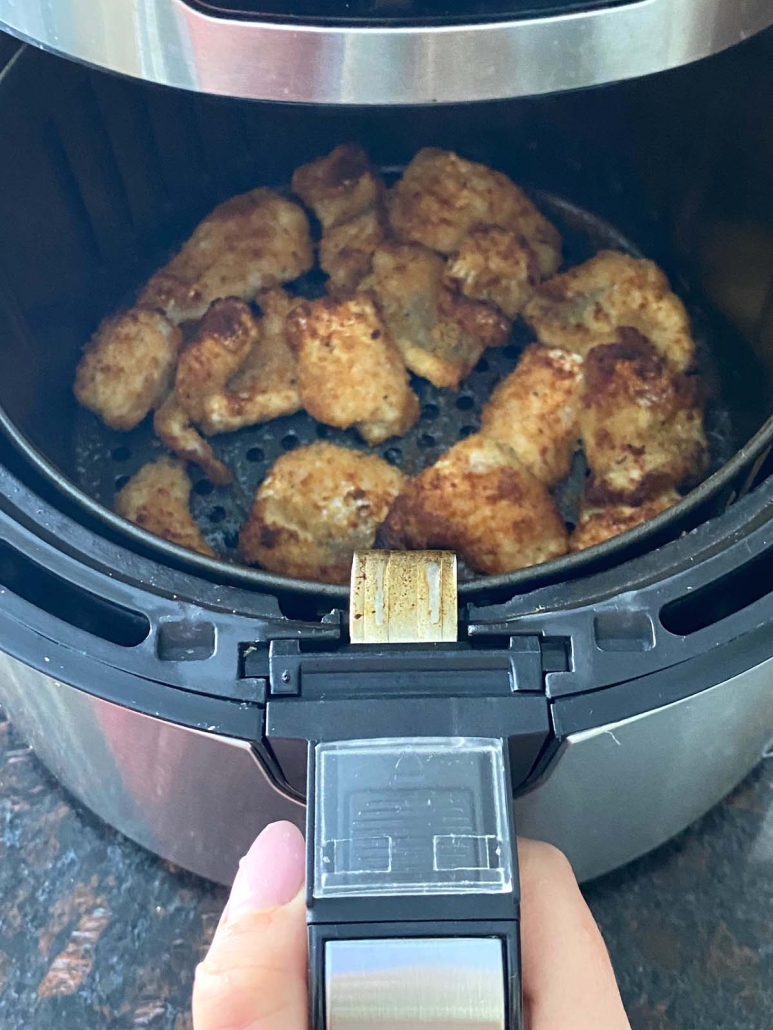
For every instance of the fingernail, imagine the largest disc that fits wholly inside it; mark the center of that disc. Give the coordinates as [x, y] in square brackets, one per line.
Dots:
[271, 873]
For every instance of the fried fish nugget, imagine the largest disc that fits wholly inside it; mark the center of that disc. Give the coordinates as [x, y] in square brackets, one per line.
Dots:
[641, 424]
[316, 507]
[535, 411]
[442, 196]
[226, 336]
[588, 305]
[596, 524]
[174, 428]
[346, 251]
[481, 502]
[340, 186]
[350, 373]
[157, 499]
[495, 265]
[440, 334]
[127, 367]
[266, 384]
[250, 243]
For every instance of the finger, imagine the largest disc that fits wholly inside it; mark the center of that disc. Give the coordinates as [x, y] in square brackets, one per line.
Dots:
[568, 980]
[254, 977]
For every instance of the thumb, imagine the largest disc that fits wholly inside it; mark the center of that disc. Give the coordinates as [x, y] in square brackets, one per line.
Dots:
[254, 977]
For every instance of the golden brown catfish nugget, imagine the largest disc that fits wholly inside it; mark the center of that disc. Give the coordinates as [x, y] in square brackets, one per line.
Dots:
[481, 502]
[252, 242]
[535, 411]
[597, 524]
[442, 196]
[316, 507]
[641, 424]
[590, 303]
[127, 367]
[441, 334]
[157, 498]
[350, 373]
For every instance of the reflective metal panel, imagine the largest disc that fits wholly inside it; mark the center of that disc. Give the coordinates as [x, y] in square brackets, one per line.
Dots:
[622, 789]
[197, 799]
[423, 984]
[168, 42]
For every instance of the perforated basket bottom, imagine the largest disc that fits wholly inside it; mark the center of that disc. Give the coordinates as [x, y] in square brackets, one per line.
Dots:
[105, 459]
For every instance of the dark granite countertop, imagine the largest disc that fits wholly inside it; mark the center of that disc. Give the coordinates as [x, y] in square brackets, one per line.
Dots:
[95, 932]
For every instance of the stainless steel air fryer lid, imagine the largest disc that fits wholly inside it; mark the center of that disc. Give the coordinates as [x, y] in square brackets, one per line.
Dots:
[376, 52]
[135, 669]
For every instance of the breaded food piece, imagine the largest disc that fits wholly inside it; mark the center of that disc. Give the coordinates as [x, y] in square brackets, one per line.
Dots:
[174, 428]
[641, 424]
[316, 507]
[479, 501]
[440, 334]
[250, 243]
[340, 186]
[266, 384]
[157, 499]
[346, 251]
[350, 373]
[535, 411]
[442, 196]
[587, 305]
[224, 339]
[495, 265]
[226, 336]
[599, 524]
[346, 194]
[127, 367]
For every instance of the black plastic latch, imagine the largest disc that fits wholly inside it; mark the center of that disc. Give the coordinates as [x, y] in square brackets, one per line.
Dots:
[416, 670]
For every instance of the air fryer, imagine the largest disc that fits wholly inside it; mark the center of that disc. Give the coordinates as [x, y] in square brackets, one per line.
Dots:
[601, 701]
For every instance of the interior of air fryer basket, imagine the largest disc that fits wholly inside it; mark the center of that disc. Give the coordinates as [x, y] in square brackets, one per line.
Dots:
[104, 177]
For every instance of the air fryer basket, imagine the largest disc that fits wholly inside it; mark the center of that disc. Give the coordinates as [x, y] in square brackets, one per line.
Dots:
[108, 175]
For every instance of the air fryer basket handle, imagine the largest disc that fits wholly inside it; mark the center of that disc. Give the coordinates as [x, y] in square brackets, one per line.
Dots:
[412, 874]
[414, 741]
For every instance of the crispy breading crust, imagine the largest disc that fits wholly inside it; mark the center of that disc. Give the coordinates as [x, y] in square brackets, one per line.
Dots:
[339, 186]
[127, 367]
[596, 524]
[316, 507]
[156, 498]
[495, 265]
[226, 336]
[442, 196]
[641, 424]
[441, 335]
[250, 243]
[266, 384]
[174, 428]
[535, 411]
[346, 251]
[350, 372]
[589, 304]
[479, 501]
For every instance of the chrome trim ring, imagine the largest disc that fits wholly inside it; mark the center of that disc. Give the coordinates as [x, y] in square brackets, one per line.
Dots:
[168, 42]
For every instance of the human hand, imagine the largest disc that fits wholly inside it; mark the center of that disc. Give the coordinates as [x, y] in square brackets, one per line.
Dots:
[254, 977]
